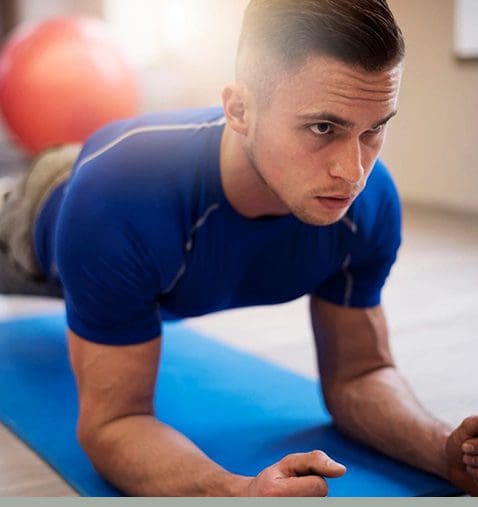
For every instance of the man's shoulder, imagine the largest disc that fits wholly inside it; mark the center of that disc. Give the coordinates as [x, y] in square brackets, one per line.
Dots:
[124, 179]
[377, 211]
[381, 179]
[151, 135]
[380, 196]
[181, 120]
[153, 152]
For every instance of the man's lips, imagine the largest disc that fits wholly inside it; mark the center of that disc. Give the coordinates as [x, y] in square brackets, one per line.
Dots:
[343, 196]
[335, 202]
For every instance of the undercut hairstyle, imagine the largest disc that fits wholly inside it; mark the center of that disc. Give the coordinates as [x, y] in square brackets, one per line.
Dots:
[361, 33]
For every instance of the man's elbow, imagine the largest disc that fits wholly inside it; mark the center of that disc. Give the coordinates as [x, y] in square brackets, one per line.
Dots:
[342, 397]
[98, 440]
[88, 437]
[100, 443]
[334, 399]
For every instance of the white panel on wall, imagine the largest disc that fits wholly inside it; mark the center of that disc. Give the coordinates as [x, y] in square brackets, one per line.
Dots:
[36, 10]
[466, 28]
[33, 10]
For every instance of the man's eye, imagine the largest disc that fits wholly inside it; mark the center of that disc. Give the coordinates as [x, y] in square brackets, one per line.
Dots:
[321, 128]
[377, 129]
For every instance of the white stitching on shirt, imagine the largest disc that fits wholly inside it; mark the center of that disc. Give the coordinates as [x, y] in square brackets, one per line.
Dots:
[189, 245]
[349, 280]
[179, 274]
[350, 224]
[145, 130]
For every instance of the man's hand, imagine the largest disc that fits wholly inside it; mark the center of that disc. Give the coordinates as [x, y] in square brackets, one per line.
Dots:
[296, 475]
[462, 456]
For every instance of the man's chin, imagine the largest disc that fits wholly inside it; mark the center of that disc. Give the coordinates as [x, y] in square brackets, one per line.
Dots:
[320, 219]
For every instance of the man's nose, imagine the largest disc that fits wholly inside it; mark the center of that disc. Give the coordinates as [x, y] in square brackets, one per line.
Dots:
[348, 163]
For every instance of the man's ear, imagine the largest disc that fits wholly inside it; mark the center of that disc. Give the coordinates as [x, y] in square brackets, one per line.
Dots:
[235, 104]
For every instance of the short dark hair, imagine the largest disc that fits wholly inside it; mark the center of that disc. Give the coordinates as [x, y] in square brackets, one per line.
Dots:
[361, 33]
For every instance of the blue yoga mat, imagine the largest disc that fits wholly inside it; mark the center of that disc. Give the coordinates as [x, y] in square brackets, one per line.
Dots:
[244, 412]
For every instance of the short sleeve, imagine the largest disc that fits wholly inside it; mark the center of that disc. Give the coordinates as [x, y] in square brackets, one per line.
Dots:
[105, 265]
[374, 247]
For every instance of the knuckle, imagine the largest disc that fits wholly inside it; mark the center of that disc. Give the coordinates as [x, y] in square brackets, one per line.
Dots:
[282, 461]
[470, 423]
[472, 471]
[289, 459]
[318, 455]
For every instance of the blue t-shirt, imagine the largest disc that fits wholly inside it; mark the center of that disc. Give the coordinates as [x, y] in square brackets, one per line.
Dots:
[143, 227]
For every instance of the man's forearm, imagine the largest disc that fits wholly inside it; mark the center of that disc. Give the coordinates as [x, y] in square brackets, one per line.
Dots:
[143, 457]
[379, 409]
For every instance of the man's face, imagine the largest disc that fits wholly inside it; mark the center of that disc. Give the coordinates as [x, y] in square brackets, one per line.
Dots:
[315, 144]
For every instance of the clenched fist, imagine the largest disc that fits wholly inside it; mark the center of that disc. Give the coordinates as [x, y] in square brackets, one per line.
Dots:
[296, 475]
[462, 456]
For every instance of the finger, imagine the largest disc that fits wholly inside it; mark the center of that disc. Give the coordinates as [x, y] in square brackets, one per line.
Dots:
[310, 485]
[311, 463]
[314, 463]
[470, 426]
[473, 471]
[470, 446]
[471, 460]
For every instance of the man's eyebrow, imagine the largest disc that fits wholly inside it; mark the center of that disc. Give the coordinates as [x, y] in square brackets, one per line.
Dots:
[326, 116]
[386, 119]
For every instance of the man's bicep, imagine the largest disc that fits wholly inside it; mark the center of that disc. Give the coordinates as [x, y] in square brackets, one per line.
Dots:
[350, 341]
[113, 381]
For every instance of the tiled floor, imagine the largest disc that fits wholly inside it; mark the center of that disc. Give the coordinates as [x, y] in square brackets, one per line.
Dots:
[432, 304]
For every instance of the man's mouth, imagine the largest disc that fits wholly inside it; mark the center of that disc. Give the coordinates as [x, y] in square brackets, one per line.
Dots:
[335, 202]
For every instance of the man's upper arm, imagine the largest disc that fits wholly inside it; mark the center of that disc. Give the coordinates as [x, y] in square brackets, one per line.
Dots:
[113, 381]
[106, 263]
[351, 342]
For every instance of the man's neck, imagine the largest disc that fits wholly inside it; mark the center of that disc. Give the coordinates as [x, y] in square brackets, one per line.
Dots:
[245, 190]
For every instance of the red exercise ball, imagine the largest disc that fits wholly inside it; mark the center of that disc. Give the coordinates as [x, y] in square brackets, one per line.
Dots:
[63, 78]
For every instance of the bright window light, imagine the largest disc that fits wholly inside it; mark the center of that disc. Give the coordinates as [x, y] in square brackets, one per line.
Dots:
[149, 28]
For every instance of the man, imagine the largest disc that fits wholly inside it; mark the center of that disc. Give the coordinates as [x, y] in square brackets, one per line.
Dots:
[276, 195]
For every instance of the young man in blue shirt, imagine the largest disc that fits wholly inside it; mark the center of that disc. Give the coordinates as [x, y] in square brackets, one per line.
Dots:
[277, 194]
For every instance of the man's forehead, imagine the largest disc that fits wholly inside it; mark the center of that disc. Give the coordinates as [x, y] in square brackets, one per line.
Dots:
[328, 77]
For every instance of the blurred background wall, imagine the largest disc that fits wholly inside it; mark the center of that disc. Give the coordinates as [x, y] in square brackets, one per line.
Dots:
[34, 10]
[432, 145]
[184, 50]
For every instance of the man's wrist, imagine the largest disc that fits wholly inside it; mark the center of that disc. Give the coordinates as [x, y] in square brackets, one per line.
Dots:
[223, 484]
[231, 485]
[442, 465]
